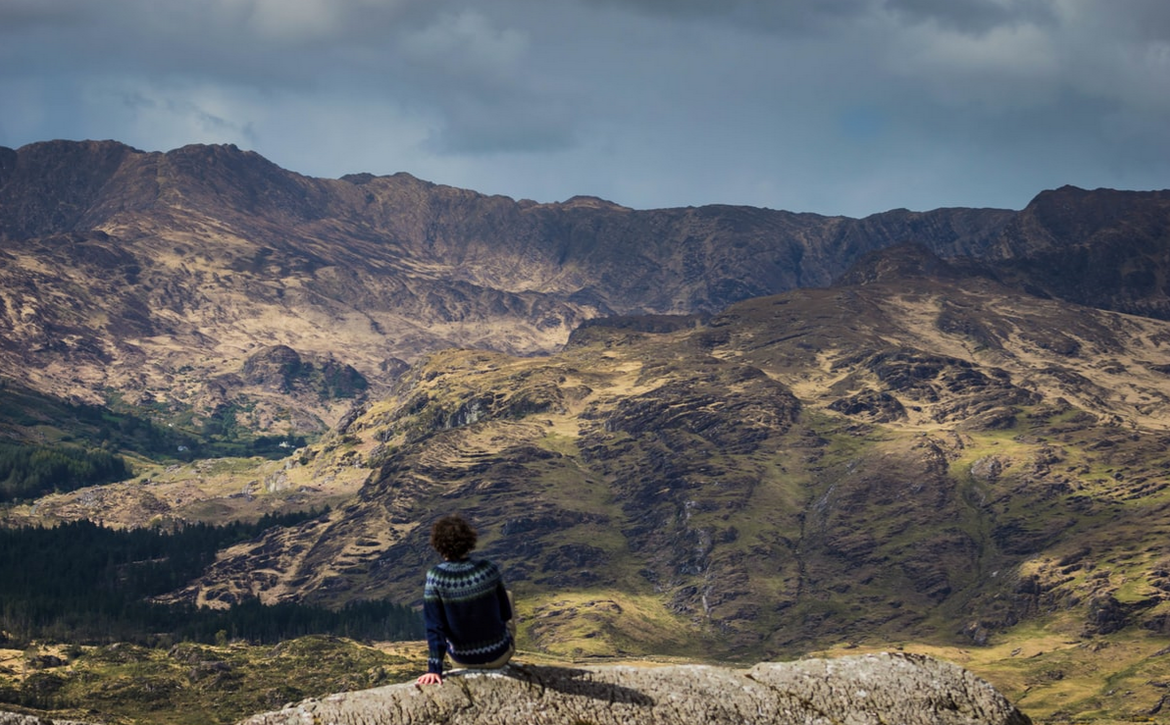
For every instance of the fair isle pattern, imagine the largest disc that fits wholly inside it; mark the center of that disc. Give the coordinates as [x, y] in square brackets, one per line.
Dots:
[463, 654]
[465, 606]
[461, 581]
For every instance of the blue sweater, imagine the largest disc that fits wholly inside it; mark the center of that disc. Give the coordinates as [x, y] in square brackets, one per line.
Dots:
[465, 607]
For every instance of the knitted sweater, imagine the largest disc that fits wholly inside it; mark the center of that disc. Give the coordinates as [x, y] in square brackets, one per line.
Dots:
[465, 607]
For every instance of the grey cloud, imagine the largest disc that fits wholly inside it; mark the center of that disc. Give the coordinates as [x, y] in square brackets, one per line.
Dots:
[974, 16]
[789, 16]
[457, 63]
[240, 40]
[489, 82]
[1143, 20]
[199, 115]
[22, 15]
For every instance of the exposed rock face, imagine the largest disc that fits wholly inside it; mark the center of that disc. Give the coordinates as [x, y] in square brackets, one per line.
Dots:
[864, 690]
[281, 369]
[1102, 248]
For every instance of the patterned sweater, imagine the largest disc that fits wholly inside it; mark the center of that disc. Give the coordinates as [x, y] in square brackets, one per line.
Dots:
[465, 607]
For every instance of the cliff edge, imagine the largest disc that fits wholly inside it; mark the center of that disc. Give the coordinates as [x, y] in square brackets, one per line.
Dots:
[882, 688]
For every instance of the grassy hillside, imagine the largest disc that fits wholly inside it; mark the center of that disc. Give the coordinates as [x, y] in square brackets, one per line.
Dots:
[813, 468]
[191, 683]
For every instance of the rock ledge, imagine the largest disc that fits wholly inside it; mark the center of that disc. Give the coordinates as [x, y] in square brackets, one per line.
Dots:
[860, 690]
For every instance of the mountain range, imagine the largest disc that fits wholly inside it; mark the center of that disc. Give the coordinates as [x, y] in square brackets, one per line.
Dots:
[723, 429]
[208, 276]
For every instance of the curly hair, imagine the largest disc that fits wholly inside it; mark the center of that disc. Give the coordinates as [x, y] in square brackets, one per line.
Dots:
[453, 537]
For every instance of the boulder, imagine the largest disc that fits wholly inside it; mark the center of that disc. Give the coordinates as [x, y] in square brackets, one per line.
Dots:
[859, 690]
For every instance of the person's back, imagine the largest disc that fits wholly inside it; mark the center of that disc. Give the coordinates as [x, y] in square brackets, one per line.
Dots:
[467, 609]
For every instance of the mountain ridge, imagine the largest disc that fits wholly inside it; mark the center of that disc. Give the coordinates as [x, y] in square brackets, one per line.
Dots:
[124, 268]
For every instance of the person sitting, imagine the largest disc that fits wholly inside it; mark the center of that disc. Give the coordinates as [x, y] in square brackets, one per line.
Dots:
[467, 610]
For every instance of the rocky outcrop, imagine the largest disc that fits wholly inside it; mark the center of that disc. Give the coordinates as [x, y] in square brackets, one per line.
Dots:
[1101, 248]
[883, 688]
[16, 718]
[282, 369]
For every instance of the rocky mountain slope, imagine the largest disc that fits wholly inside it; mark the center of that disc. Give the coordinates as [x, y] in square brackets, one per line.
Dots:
[207, 277]
[924, 456]
[1103, 248]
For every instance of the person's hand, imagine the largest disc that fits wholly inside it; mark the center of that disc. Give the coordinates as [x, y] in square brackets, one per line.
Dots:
[429, 678]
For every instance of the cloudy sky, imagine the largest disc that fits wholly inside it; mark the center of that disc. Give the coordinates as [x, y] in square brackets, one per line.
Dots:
[831, 106]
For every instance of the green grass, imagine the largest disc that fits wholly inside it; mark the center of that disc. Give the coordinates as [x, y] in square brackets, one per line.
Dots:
[581, 625]
[1056, 679]
[191, 684]
[562, 444]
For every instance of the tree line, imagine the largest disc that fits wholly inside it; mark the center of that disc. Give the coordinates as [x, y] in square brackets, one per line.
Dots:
[84, 442]
[30, 471]
[85, 583]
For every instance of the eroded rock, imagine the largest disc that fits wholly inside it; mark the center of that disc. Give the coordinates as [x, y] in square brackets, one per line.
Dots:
[880, 688]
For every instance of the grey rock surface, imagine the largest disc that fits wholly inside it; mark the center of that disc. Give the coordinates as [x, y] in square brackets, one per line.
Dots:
[16, 718]
[860, 690]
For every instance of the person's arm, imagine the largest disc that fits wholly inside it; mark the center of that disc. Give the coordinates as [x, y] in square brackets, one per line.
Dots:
[435, 618]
